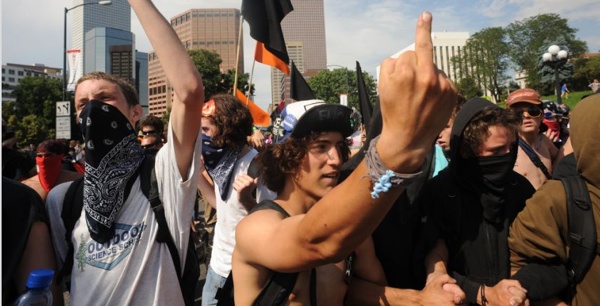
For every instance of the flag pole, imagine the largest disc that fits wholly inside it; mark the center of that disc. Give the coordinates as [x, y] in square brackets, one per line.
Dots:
[237, 56]
[250, 81]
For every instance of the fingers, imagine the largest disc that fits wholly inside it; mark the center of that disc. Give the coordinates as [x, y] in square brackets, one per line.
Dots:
[423, 43]
[243, 181]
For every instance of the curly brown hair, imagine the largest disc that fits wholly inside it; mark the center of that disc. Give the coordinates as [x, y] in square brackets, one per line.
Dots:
[477, 131]
[128, 90]
[280, 160]
[233, 120]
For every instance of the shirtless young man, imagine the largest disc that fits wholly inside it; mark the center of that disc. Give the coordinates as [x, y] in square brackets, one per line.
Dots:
[527, 102]
[327, 223]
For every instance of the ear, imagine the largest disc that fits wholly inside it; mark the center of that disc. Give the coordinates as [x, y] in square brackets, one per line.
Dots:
[135, 114]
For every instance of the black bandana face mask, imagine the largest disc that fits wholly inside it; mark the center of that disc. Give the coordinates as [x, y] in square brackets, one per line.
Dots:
[219, 163]
[112, 158]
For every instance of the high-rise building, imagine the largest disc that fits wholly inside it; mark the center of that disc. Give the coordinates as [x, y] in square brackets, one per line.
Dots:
[141, 80]
[110, 50]
[446, 45]
[87, 17]
[304, 33]
[216, 30]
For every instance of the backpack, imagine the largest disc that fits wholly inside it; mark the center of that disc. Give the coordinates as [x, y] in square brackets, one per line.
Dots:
[71, 212]
[582, 229]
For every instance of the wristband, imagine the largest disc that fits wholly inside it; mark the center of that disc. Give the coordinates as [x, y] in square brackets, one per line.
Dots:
[383, 179]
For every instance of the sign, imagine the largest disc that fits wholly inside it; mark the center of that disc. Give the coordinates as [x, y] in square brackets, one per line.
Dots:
[344, 99]
[63, 127]
[63, 108]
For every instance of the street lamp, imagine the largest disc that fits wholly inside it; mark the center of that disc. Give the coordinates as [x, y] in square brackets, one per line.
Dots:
[556, 58]
[103, 2]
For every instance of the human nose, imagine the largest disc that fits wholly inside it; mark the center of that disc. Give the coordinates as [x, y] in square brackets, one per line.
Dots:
[333, 156]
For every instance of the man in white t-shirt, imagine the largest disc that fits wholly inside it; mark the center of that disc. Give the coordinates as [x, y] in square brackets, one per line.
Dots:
[117, 260]
[226, 123]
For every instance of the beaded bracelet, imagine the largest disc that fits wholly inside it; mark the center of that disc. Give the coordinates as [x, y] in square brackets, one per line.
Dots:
[383, 178]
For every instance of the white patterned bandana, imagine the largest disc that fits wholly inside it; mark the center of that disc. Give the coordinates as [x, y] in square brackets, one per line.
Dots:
[112, 158]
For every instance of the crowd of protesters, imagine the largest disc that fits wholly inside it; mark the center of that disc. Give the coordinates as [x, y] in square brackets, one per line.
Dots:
[439, 200]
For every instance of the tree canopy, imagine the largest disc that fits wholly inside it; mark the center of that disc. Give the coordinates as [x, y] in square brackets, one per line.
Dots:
[327, 85]
[33, 115]
[528, 37]
[208, 64]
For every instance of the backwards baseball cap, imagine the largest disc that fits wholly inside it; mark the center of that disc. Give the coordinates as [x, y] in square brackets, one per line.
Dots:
[526, 95]
[303, 117]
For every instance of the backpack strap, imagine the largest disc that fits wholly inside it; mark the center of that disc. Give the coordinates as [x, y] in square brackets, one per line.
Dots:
[279, 286]
[582, 228]
[534, 157]
[189, 277]
[71, 211]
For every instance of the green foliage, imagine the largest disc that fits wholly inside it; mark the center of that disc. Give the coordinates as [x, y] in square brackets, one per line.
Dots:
[215, 82]
[585, 71]
[327, 85]
[469, 88]
[527, 37]
[484, 62]
[33, 114]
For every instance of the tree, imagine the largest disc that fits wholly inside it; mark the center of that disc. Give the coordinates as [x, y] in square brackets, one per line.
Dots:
[33, 114]
[469, 88]
[208, 64]
[527, 37]
[484, 60]
[547, 83]
[585, 71]
[327, 85]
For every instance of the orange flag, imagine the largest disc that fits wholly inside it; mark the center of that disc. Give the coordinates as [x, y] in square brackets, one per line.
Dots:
[261, 54]
[259, 116]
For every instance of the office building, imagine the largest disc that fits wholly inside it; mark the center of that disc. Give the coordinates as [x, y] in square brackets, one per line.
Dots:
[88, 17]
[446, 45]
[12, 74]
[215, 30]
[304, 33]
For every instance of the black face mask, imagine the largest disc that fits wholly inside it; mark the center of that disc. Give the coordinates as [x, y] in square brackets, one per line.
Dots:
[211, 153]
[495, 169]
[112, 157]
[219, 163]
[488, 176]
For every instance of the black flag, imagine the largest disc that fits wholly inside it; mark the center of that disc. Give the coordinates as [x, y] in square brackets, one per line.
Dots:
[264, 18]
[366, 109]
[299, 89]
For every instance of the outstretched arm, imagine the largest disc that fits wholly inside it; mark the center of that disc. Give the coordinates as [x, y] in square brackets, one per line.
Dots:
[416, 101]
[182, 75]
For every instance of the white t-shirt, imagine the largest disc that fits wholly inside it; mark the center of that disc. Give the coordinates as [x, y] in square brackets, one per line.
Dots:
[132, 269]
[229, 213]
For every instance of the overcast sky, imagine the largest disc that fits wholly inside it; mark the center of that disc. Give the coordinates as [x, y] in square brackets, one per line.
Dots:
[356, 30]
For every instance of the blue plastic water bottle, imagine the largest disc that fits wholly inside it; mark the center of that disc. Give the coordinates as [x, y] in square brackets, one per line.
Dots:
[38, 289]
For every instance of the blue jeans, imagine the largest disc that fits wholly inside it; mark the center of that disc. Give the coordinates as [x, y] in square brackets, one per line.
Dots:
[213, 282]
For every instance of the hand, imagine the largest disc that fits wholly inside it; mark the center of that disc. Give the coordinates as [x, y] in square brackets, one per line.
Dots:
[507, 292]
[416, 102]
[441, 289]
[244, 185]
[552, 135]
[257, 139]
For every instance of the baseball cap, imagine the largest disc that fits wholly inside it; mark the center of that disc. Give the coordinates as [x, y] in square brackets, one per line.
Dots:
[527, 95]
[303, 117]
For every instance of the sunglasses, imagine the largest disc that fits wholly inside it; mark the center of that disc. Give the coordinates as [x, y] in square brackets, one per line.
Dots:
[531, 111]
[146, 133]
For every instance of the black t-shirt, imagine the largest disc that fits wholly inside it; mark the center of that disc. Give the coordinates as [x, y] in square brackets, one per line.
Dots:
[21, 207]
[15, 165]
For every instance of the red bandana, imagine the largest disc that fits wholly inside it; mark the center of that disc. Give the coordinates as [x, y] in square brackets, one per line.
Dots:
[48, 170]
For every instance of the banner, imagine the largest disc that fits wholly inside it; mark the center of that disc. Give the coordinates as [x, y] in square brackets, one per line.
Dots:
[74, 59]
